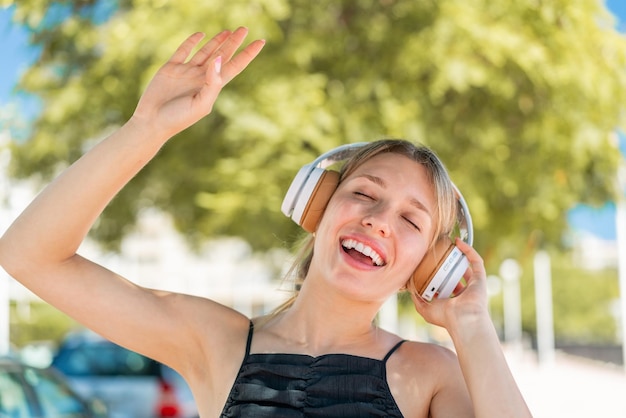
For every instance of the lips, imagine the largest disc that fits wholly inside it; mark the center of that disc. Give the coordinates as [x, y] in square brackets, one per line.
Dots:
[362, 251]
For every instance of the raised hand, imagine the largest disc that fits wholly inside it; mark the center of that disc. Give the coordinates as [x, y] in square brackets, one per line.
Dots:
[469, 302]
[185, 88]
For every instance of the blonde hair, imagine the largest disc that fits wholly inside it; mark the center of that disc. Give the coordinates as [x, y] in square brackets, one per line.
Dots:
[446, 202]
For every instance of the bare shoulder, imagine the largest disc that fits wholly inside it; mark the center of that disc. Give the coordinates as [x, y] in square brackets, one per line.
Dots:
[200, 334]
[430, 349]
[420, 357]
[418, 372]
[214, 328]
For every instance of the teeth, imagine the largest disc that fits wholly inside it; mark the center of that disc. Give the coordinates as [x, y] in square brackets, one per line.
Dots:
[366, 250]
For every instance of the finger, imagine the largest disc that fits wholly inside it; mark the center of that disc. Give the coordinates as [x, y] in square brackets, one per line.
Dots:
[476, 261]
[418, 301]
[459, 288]
[183, 51]
[430, 311]
[230, 45]
[240, 61]
[209, 48]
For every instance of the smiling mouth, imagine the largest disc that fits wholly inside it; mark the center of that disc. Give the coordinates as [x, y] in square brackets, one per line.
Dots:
[362, 252]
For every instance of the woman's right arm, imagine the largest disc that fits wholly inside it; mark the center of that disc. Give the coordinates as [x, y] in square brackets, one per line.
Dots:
[39, 249]
[489, 381]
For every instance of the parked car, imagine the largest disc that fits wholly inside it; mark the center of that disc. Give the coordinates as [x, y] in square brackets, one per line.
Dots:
[31, 392]
[130, 384]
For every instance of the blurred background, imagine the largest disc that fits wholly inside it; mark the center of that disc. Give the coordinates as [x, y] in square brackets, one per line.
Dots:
[523, 100]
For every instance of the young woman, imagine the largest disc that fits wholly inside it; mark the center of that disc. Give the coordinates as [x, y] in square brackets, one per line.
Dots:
[320, 356]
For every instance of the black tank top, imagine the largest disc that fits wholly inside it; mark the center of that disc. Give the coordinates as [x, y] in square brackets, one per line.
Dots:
[299, 385]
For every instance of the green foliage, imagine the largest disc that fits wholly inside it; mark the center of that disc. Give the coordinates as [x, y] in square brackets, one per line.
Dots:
[37, 321]
[519, 98]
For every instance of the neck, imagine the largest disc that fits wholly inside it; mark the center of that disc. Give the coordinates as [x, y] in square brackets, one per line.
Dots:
[322, 321]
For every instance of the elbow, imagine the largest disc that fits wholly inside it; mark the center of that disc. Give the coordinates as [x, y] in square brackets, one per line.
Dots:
[6, 257]
[12, 259]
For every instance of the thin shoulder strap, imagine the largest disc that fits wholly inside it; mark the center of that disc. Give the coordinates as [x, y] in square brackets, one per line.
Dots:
[393, 349]
[249, 342]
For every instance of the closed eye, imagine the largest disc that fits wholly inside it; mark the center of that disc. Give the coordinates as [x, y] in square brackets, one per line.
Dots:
[361, 194]
[411, 223]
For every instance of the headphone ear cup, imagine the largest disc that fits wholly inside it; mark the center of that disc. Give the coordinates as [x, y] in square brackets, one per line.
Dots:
[430, 266]
[324, 189]
[290, 201]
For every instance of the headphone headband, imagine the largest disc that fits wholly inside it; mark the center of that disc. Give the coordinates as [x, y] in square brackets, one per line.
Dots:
[464, 218]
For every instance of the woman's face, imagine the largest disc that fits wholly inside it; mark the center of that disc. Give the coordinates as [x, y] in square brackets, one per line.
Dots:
[376, 228]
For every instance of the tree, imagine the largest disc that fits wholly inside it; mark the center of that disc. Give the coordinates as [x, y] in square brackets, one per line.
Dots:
[519, 98]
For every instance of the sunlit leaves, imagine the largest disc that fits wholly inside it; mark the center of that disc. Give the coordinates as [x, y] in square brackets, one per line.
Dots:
[519, 98]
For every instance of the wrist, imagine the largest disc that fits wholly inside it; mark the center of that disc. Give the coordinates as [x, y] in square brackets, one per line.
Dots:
[145, 130]
[470, 324]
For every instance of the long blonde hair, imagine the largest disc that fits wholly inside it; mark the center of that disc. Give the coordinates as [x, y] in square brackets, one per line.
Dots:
[446, 203]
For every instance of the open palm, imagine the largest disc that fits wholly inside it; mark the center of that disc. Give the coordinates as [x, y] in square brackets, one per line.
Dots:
[185, 88]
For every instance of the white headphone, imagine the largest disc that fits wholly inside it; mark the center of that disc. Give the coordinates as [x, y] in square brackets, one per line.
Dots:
[443, 265]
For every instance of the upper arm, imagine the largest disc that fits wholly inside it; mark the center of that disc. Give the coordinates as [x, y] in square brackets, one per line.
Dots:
[451, 397]
[426, 381]
[161, 325]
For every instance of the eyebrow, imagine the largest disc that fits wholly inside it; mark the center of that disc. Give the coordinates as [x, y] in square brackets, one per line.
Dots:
[380, 182]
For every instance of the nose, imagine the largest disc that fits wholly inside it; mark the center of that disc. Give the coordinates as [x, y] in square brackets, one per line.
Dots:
[378, 221]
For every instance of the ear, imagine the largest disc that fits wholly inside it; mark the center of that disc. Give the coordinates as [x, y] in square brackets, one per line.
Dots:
[324, 189]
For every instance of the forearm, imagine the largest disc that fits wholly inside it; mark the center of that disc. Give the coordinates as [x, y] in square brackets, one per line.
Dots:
[491, 385]
[56, 222]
